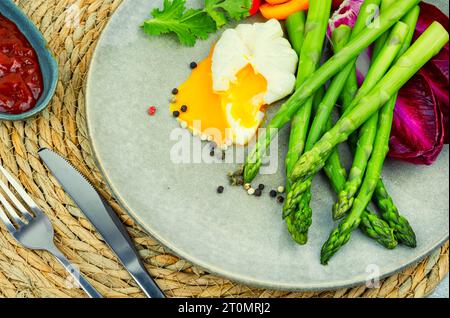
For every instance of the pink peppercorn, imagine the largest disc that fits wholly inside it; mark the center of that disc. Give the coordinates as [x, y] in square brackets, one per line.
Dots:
[152, 110]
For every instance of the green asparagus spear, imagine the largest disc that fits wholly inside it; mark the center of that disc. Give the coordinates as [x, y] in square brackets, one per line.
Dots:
[371, 225]
[377, 229]
[298, 225]
[402, 229]
[341, 234]
[318, 96]
[349, 91]
[334, 170]
[348, 102]
[348, 94]
[340, 38]
[381, 147]
[347, 99]
[300, 217]
[351, 87]
[380, 43]
[370, 33]
[381, 64]
[311, 52]
[292, 223]
[295, 26]
[426, 46]
[376, 73]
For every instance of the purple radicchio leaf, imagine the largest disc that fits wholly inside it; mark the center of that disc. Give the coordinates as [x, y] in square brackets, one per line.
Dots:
[347, 13]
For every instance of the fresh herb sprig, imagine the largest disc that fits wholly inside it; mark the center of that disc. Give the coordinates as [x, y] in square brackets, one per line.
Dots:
[192, 24]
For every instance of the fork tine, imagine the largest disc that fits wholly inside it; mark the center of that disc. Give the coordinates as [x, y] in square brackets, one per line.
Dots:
[20, 191]
[6, 220]
[11, 210]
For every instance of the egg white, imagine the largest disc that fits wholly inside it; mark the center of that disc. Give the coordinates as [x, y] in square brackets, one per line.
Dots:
[261, 45]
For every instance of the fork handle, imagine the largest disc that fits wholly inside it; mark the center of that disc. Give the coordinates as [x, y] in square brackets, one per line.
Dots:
[75, 273]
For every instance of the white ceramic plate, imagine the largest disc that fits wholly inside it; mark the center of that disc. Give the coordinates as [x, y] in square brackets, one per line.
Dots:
[234, 235]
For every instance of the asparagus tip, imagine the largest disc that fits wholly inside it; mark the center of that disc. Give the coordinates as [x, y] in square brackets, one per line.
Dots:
[409, 241]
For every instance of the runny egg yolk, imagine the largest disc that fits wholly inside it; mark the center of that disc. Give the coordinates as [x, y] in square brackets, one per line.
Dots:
[213, 114]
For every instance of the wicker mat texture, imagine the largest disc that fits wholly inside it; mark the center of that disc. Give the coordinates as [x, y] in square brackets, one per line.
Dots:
[72, 28]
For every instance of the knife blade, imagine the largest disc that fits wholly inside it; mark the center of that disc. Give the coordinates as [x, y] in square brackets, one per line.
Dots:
[102, 216]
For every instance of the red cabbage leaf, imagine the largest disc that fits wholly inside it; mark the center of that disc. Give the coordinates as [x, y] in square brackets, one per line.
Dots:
[417, 130]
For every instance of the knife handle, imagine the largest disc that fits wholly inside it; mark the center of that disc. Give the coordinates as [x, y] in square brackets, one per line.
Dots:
[146, 283]
[125, 250]
[129, 257]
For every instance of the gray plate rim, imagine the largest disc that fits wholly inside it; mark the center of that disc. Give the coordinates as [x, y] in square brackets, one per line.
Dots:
[351, 282]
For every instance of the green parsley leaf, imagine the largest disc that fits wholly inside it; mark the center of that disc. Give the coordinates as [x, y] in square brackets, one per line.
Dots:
[190, 25]
[218, 16]
[187, 25]
[236, 9]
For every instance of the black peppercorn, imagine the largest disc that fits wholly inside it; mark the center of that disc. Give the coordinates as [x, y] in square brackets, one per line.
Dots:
[220, 189]
[261, 186]
[280, 199]
[273, 193]
[193, 65]
[175, 91]
[183, 108]
[258, 192]
[176, 113]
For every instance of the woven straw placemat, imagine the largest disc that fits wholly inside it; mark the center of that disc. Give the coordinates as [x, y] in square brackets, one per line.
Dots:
[72, 28]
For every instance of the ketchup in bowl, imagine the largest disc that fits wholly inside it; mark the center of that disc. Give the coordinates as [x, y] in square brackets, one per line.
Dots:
[21, 82]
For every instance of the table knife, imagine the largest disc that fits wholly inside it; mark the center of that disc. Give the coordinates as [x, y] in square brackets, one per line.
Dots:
[102, 216]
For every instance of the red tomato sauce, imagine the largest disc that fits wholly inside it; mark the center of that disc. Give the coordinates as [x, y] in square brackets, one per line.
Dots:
[20, 75]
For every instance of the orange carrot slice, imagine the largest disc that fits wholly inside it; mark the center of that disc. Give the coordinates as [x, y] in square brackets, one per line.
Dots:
[276, 1]
[283, 10]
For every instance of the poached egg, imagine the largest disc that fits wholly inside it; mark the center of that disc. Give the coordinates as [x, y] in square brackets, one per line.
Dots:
[226, 95]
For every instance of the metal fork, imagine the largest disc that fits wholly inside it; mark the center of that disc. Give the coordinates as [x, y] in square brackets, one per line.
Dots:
[34, 231]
